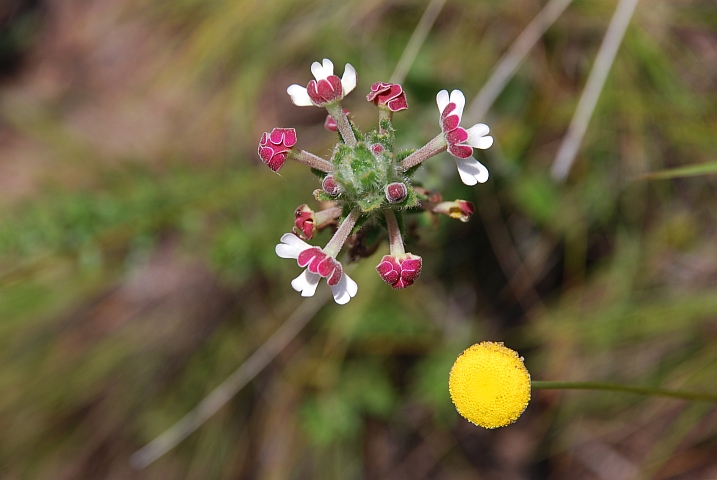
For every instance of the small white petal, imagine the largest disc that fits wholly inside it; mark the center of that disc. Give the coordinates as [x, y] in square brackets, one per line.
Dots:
[349, 79]
[287, 251]
[478, 130]
[484, 142]
[306, 283]
[291, 246]
[477, 136]
[344, 290]
[321, 72]
[471, 170]
[317, 70]
[299, 95]
[291, 239]
[328, 67]
[442, 100]
[459, 99]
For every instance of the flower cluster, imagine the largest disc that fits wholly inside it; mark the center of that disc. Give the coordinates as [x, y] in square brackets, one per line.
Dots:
[366, 185]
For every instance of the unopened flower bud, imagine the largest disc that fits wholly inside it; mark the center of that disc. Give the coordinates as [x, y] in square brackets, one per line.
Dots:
[304, 222]
[400, 271]
[275, 147]
[390, 95]
[377, 148]
[330, 185]
[396, 192]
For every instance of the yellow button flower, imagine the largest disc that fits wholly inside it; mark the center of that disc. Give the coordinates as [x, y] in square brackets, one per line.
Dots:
[489, 385]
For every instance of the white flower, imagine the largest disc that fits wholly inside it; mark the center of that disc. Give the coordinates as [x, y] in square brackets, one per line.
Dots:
[292, 246]
[327, 88]
[461, 141]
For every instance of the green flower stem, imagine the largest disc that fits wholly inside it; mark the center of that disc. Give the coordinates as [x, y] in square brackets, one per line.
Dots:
[616, 387]
[311, 160]
[394, 234]
[342, 123]
[342, 233]
[434, 147]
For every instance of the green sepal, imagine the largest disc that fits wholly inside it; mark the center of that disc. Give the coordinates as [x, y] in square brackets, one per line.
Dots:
[410, 201]
[401, 156]
[408, 173]
[322, 196]
[370, 203]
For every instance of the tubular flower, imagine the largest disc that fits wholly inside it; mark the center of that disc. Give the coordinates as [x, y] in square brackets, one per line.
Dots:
[489, 385]
[318, 264]
[367, 182]
[304, 222]
[400, 271]
[388, 95]
[327, 88]
[276, 146]
[461, 142]
[459, 209]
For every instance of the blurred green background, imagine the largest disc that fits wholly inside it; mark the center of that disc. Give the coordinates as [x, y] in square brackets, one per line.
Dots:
[137, 232]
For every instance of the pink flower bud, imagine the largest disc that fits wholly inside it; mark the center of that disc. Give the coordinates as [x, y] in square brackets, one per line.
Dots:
[389, 94]
[325, 91]
[396, 192]
[377, 148]
[304, 222]
[330, 123]
[274, 147]
[330, 185]
[400, 271]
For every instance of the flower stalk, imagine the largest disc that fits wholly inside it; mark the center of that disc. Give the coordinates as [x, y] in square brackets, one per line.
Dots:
[342, 123]
[311, 160]
[337, 241]
[616, 387]
[431, 149]
[394, 235]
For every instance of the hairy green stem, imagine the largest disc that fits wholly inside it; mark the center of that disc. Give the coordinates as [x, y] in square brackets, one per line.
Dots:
[313, 161]
[342, 123]
[394, 234]
[337, 241]
[616, 387]
[434, 147]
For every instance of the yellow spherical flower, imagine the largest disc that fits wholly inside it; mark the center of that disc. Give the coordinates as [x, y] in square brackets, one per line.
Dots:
[489, 385]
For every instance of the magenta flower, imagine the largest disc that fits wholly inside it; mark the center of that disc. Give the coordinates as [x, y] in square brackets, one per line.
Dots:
[400, 271]
[327, 88]
[304, 222]
[389, 95]
[276, 146]
[461, 142]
